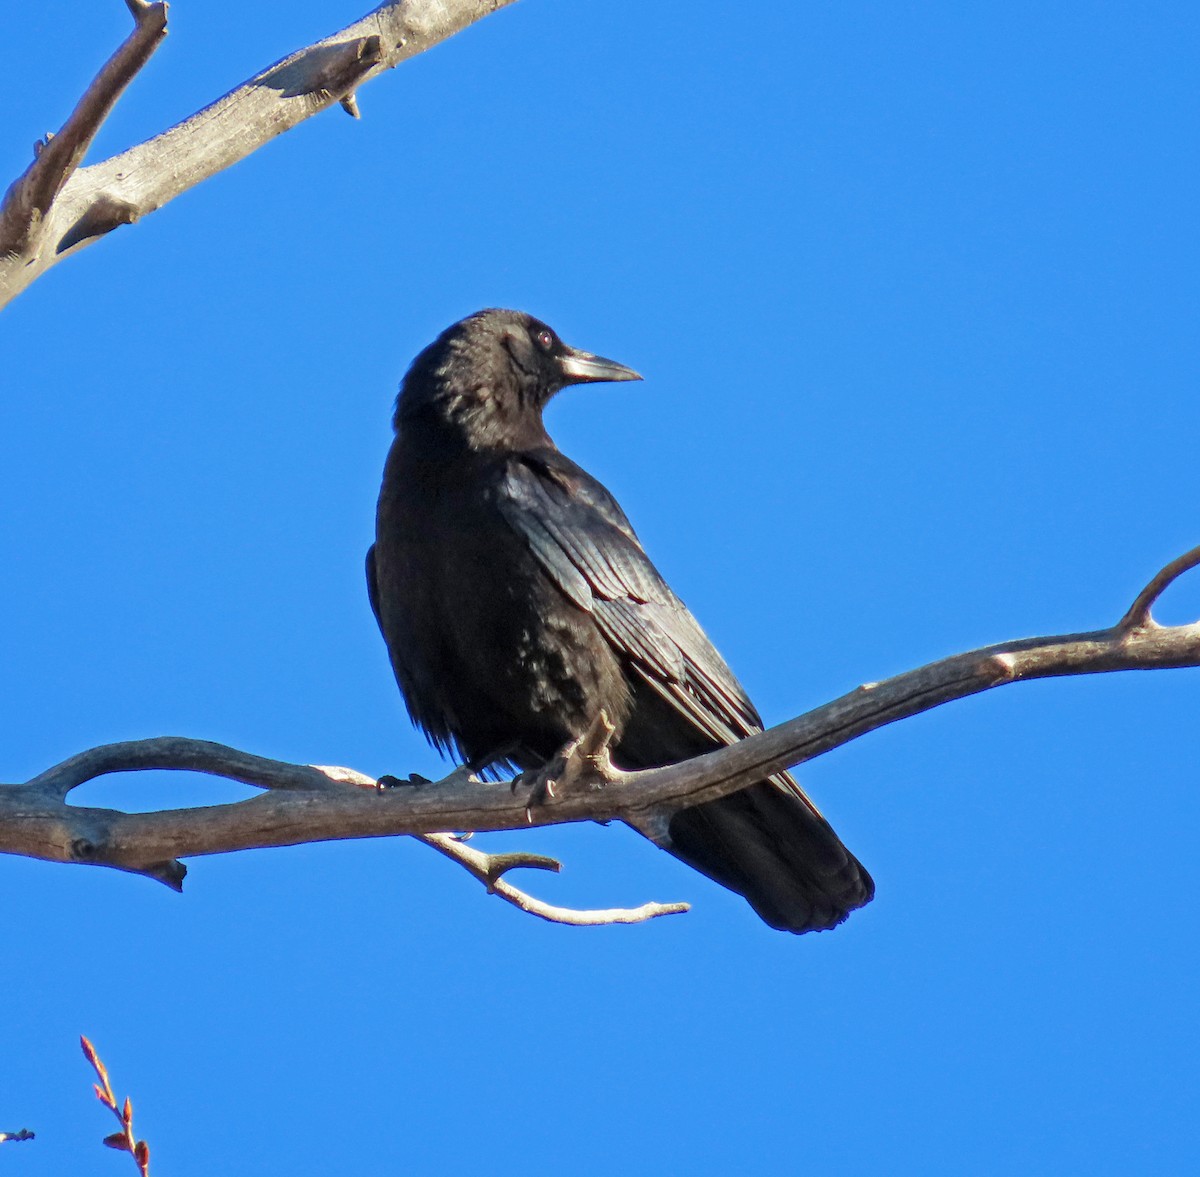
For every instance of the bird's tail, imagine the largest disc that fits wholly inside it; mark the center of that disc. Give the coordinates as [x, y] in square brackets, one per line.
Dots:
[771, 845]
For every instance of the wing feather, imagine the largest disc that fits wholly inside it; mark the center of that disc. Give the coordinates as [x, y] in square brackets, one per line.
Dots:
[583, 541]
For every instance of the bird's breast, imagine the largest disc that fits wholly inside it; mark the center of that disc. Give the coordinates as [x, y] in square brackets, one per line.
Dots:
[488, 651]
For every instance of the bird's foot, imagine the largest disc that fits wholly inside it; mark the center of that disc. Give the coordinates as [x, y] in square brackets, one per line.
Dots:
[413, 780]
[526, 780]
[583, 762]
[542, 783]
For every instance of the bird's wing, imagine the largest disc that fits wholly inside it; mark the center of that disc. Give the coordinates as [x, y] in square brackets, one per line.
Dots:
[584, 542]
[767, 842]
[373, 586]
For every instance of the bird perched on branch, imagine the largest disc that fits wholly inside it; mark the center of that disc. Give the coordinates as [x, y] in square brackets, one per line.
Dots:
[517, 603]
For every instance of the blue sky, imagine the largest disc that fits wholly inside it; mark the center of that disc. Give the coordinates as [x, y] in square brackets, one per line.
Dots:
[914, 291]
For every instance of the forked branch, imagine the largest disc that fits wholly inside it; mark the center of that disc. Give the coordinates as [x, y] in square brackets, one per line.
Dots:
[56, 157]
[57, 207]
[1138, 615]
[490, 869]
[306, 803]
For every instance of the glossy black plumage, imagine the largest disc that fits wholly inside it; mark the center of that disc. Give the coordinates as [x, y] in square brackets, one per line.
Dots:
[516, 602]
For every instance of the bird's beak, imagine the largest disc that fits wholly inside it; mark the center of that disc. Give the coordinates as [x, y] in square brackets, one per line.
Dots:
[581, 367]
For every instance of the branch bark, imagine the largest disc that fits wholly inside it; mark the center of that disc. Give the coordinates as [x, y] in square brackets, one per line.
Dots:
[56, 157]
[489, 869]
[310, 803]
[57, 207]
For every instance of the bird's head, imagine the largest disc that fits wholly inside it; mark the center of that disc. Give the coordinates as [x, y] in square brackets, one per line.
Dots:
[489, 377]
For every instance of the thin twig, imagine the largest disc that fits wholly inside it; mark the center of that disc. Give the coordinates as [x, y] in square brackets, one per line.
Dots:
[1138, 616]
[125, 1140]
[489, 869]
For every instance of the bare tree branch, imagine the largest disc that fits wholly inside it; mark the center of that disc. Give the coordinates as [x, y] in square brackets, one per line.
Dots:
[57, 156]
[1138, 616]
[488, 869]
[57, 207]
[308, 803]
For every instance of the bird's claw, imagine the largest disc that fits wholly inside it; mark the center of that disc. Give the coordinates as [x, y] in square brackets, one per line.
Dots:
[581, 762]
[537, 780]
[543, 787]
[413, 780]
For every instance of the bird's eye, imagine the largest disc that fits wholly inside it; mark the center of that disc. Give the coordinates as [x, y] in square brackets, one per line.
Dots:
[545, 340]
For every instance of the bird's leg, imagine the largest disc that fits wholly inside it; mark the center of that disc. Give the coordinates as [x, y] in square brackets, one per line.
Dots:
[584, 761]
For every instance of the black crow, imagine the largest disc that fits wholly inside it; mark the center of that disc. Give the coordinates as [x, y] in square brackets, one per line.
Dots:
[516, 602]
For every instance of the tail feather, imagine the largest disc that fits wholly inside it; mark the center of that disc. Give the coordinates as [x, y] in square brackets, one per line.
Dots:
[770, 845]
